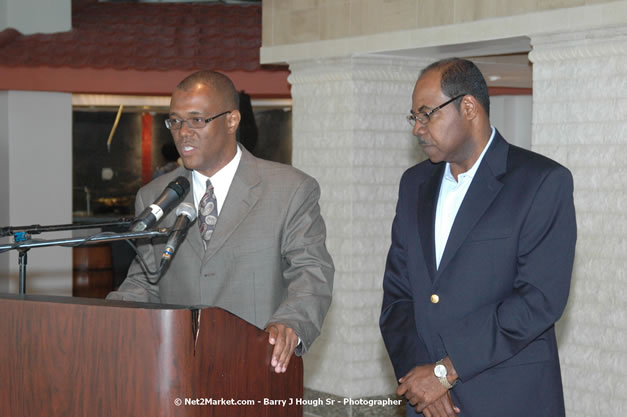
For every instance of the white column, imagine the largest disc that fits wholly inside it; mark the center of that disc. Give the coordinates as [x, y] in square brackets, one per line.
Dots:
[36, 184]
[36, 158]
[580, 119]
[350, 133]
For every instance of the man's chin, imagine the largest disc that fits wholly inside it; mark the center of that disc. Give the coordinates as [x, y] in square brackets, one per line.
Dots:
[189, 164]
[431, 155]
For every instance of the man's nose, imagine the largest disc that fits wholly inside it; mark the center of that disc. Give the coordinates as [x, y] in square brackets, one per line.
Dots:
[419, 129]
[185, 129]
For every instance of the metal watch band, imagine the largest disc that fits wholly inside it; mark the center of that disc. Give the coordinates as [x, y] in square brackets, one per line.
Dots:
[443, 379]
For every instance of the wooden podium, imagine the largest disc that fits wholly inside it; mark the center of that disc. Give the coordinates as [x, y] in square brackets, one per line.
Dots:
[75, 357]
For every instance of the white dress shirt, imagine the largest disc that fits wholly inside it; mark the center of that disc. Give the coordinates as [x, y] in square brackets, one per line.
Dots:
[452, 193]
[221, 181]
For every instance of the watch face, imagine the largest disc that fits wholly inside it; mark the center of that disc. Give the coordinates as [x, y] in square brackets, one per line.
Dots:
[440, 371]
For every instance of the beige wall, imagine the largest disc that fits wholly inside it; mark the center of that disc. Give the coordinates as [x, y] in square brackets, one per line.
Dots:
[36, 184]
[50, 16]
[296, 30]
[293, 21]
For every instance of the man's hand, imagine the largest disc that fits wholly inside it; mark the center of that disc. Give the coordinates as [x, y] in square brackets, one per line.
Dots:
[422, 389]
[442, 407]
[285, 341]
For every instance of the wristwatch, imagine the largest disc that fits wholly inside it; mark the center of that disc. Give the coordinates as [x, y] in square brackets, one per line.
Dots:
[441, 373]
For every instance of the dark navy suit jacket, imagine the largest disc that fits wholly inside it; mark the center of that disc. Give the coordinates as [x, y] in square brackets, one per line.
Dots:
[502, 283]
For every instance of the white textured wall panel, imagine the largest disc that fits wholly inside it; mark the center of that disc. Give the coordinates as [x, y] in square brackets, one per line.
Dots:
[580, 119]
[350, 133]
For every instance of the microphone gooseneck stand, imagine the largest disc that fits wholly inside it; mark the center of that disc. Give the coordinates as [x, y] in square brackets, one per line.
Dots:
[23, 241]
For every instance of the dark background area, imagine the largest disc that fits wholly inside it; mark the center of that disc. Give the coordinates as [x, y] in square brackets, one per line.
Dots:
[115, 197]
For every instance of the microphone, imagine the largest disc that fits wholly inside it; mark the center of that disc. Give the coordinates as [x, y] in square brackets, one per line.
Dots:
[185, 216]
[173, 194]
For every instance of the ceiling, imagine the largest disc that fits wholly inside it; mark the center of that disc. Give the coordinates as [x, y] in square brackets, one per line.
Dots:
[503, 62]
[511, 70]
[154, 44]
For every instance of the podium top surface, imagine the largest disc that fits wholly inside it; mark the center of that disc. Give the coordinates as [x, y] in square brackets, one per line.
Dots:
[95, 302]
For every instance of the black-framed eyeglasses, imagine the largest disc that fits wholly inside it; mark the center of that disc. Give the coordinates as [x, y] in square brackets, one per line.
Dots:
[192, 122]
[424, 117]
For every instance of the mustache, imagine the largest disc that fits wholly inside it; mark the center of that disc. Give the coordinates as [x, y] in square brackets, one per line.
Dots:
[421, 140]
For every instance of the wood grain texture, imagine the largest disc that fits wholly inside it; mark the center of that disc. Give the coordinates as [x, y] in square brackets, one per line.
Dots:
[92, 275]
[86, 357]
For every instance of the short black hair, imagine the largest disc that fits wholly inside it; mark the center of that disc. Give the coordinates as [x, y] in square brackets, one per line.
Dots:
[461, 76]
[216, 80]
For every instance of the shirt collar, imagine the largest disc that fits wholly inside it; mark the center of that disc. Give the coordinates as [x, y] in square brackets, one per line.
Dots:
[470, 174]
[221, 180]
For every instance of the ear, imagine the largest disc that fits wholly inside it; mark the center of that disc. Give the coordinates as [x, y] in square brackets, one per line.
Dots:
[232, 120]
[470, 107]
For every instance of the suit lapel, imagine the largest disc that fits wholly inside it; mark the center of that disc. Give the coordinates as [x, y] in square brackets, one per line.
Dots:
[482, 192]
[241, 198]
[427, 201]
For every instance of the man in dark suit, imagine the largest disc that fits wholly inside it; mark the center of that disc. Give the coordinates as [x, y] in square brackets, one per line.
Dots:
[266, 260]
[480, 263]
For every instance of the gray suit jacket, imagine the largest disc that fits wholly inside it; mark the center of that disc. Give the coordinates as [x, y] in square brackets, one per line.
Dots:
[266, 261]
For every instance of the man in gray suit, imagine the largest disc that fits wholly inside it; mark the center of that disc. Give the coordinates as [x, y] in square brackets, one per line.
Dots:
[266, 260]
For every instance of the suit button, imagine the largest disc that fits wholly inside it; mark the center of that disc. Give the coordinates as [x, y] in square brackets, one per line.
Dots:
[435, 298]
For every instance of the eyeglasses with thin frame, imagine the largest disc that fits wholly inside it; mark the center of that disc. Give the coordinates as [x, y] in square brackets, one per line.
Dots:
[424, 117]
[192, 122]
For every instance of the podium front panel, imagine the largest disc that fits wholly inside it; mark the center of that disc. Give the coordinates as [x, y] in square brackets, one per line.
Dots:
[84, 357]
